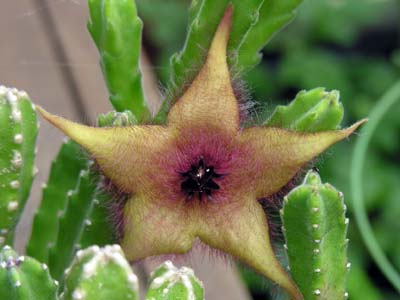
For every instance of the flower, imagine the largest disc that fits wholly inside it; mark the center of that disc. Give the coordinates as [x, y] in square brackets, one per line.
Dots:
[200, 176]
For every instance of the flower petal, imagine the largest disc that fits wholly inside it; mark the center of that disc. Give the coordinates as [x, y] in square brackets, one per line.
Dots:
[240, 228]
[155, 227]
[210, 98]
[279, 154]
[124, 154]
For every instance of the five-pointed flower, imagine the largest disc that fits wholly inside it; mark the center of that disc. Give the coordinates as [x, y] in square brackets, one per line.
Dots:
[200, 176]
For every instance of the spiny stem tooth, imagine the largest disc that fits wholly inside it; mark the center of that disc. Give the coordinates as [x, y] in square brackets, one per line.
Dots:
[89, 275]
[166, 281]
[23, 275]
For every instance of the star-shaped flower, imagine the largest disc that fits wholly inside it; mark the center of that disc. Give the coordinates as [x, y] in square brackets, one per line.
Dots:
[200, 176]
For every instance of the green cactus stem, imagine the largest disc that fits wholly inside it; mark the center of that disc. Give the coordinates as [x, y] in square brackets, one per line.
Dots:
[97, 229]
[116, 29]
[18, 130]
[169, 283]
[310, 111]
[24, 278]
[72, 221]
[101, 274]
[64, 175]
[315, 229]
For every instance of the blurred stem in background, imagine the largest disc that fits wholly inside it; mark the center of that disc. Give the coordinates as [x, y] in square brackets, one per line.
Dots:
[359, 156]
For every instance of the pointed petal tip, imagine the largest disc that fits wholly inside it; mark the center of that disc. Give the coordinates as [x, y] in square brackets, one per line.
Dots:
[52, 119]
[59, 122]
[227, 18]
[226, 21]
[210, 99]
[91, 138]
[359, 123]
[354, 127]
[221, 38]
[44, 113]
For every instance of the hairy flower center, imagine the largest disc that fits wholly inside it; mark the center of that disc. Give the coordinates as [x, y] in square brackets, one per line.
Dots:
[199, 180]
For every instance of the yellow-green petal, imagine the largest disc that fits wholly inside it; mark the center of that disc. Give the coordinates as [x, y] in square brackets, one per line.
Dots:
[240, 228]
[154, 227]
[124, 154]
[210, 98]
[279, 153]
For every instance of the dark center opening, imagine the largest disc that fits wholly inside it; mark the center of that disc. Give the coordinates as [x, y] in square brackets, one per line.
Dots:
[199, 180]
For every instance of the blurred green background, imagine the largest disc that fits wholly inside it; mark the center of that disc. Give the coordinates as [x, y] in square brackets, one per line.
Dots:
[351, 46]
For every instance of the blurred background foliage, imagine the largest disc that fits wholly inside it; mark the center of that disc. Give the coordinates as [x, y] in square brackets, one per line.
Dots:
[349, 45]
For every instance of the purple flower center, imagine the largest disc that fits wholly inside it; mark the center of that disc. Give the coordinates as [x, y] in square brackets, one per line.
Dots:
[199, 180]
